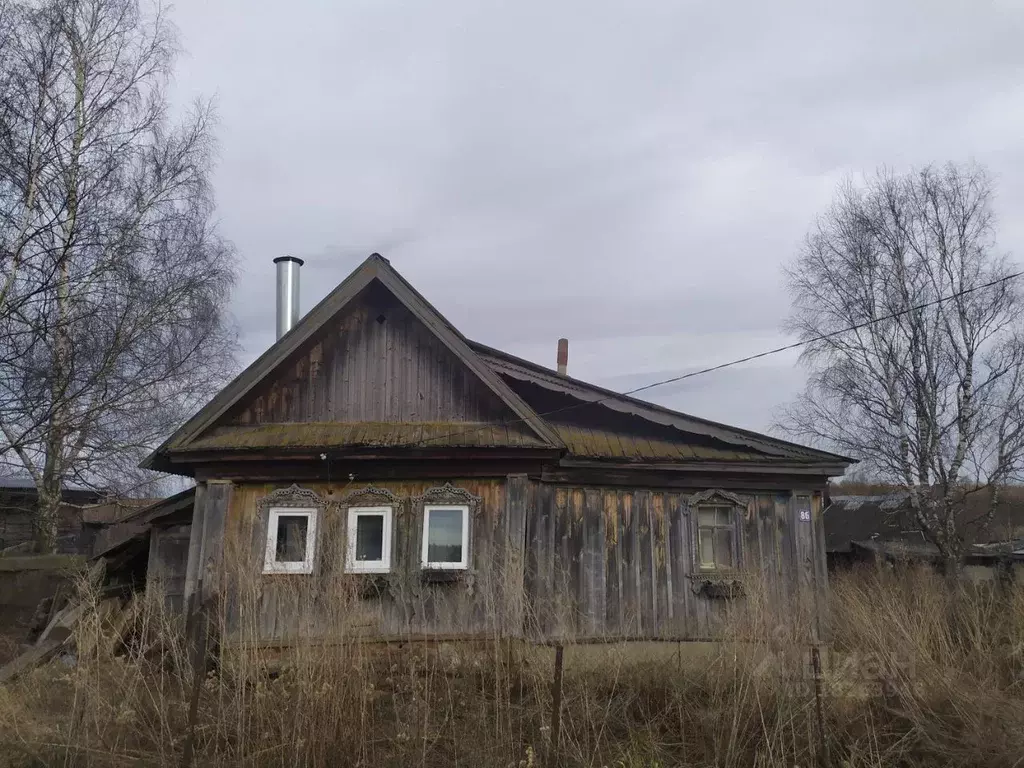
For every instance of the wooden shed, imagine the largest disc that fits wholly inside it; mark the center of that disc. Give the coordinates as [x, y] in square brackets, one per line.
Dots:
[149, 547]
[375, 464]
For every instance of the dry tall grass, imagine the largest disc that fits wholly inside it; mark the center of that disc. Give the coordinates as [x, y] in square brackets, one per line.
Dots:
[917, 677]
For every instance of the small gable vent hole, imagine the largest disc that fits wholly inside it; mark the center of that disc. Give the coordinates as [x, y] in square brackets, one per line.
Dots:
[381, 319]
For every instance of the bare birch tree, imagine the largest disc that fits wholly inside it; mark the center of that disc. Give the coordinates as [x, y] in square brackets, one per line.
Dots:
[929, 397]
[114, 277]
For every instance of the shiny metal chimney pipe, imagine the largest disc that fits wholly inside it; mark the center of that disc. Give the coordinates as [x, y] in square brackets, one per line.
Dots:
[287, 293]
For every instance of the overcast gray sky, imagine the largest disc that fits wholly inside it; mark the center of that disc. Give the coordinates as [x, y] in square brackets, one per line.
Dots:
[630, 175]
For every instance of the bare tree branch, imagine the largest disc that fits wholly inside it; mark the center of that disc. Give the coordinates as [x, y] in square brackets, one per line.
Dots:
[112, 323]
[929, 399]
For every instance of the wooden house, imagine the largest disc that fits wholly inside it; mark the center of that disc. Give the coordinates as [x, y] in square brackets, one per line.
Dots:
[881, 528]
[450, 489]
[78, 522]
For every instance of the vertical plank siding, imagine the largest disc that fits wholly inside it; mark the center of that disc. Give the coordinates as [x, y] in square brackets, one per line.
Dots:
[820, 569]
[168, 561]
[276, 607]
[606, 562]
[546, 561]
[376, 363]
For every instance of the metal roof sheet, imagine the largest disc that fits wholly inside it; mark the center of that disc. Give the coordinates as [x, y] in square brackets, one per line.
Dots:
[20, 482]
[582, 442]
[597, 443]
[517, 368]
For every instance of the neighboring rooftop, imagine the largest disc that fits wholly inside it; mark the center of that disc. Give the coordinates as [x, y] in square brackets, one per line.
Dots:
[887, 517]
[27, 483]
[24, 486]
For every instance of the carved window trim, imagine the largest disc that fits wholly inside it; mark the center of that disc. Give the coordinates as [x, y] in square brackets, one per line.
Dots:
[370, 496]
[292, 496]
[284, 501]
[716, 498]
[709, 496]
[447, 496]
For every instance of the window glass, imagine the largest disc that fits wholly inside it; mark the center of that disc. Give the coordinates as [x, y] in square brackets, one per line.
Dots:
[291, 537]
[292, 532]
[370, 537]
[444, 535]
[369, 540]
[707, 548]
[715, 537]
[723, 547]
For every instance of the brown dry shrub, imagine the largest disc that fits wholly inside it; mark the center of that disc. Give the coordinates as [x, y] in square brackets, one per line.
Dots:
[916, 676]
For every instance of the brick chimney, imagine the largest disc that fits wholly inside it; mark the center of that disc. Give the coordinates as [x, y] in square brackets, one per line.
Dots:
[563, 356]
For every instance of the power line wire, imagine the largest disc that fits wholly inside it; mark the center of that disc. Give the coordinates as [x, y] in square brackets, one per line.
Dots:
[721, 366]
[825, 336]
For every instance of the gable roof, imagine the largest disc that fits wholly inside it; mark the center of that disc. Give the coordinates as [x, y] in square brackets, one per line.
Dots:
[745, 443]
[588, 423]
[376, 267]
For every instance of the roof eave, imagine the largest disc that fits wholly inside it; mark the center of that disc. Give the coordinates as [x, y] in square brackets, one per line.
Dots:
[149, 515]
[816, 469]
[607, 395]
[185, 457]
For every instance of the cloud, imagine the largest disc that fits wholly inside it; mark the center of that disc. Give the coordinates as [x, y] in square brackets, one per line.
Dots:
[632, 176]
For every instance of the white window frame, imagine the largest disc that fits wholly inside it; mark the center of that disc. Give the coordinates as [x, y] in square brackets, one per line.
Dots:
[368, 566]
[463, 564]
[270, 563]
[731, 526]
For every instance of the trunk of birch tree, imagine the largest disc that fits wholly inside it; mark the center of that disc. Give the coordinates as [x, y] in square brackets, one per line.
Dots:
[114, 278]
[926, 389]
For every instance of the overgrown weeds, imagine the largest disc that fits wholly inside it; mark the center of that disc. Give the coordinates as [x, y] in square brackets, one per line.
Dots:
[915, 676]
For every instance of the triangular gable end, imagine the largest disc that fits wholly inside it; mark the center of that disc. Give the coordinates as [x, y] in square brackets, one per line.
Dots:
[375, 272]
[373, 362]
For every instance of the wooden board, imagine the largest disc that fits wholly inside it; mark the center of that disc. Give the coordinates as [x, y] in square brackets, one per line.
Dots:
[374, 363]
[276, 606]
[168, 564]
[606, 562]
[546, 562]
